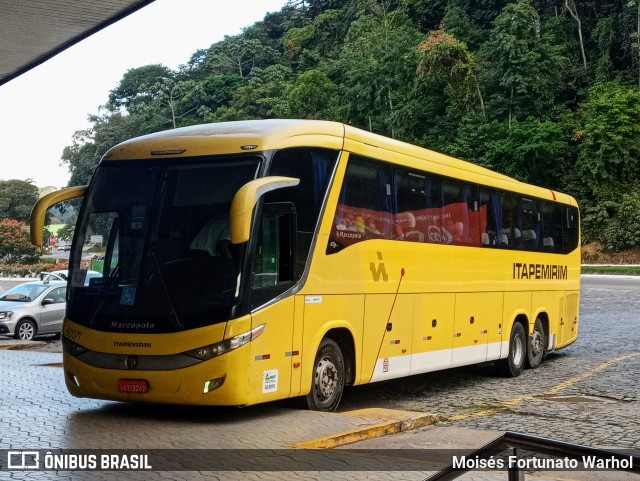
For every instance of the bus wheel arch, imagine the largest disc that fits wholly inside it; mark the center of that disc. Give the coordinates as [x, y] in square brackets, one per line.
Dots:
[537, 341]
[514, 363]
[332, 370]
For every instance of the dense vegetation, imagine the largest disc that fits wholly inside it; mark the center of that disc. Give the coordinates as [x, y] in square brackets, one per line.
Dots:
[547, 91]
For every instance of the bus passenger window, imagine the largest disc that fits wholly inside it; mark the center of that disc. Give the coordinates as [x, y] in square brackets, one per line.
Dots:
[570, 231]
[507, 219]
[418, 206]
[364, 208]
[460, 213]
[551, 217]
[529, 221]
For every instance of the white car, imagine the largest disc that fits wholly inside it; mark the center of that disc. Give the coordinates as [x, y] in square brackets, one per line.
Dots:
[63, 275]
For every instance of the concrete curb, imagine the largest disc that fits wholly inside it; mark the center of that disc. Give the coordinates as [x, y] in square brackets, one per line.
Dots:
[392, 422]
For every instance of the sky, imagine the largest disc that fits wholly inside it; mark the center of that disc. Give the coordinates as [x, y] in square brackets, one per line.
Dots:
[42, 108]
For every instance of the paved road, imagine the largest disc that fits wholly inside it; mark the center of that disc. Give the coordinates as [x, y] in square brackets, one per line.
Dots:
[587, 393]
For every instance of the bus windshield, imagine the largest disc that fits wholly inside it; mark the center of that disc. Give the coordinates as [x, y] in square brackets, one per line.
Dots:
[162, 228]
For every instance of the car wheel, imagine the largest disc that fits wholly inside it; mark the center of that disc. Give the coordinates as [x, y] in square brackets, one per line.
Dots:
[25, 330]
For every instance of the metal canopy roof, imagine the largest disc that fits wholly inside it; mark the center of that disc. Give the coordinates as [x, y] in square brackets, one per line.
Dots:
[32, 31]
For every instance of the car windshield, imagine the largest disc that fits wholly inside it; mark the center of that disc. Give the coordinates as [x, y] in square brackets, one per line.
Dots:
[159, 228]
[24, 293]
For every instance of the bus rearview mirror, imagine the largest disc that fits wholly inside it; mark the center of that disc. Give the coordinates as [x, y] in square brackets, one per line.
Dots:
[245, 200]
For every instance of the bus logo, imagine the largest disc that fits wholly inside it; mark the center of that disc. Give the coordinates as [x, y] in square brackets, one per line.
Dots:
[131, 362]
[379, 271]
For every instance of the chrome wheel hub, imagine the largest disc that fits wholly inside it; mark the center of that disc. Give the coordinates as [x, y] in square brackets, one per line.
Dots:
[536, 343]
[326, 378]
[25, 332]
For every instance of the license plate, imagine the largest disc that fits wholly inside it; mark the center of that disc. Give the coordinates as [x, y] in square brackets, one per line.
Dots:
[135, 386]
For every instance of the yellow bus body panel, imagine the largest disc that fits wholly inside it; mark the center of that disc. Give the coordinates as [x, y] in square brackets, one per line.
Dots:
[182, 386]
[409, 307]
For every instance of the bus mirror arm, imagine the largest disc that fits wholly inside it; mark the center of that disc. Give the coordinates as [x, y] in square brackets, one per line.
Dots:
[40, 209]
[245, 200]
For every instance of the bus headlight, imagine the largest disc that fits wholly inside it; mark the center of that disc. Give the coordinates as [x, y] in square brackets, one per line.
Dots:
[205, 353]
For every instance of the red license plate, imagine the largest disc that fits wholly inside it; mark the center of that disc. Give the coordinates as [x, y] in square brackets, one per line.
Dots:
[135, 386]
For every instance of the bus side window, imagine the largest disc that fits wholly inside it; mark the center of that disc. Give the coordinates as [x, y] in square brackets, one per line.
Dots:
[414, 206]
[570, 232]
[314, 168]
[551, 216]
[507, 219]
[495, 207]
[529, 220]
[273, 265]
[364, 207]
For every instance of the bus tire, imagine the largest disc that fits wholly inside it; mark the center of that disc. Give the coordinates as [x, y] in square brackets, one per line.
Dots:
[513, 365]
[536, 345]
[328, 377]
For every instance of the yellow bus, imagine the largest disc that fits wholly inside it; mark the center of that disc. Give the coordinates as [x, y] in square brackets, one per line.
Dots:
[251, 261]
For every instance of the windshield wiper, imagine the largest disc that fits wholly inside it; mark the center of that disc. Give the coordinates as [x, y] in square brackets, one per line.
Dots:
[165, 291]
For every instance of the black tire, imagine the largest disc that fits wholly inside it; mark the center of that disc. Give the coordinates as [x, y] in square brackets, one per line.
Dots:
[536, 345]
[513, 365]
[25, 330]
[328, 377]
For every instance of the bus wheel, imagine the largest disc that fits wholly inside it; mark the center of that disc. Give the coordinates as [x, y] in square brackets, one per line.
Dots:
[536, 345]
[328, 377]
[512, 366]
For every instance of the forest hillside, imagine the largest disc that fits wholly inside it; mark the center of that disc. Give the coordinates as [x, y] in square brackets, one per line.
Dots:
[547, 91]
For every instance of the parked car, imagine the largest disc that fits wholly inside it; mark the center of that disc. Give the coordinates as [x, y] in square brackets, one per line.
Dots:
[32, 308]
[63, 275]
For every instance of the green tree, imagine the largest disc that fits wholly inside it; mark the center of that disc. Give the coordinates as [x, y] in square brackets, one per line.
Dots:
[210, 94]
[522, 70]
[165, 110]
[17, 198]
[622, 231]
[379, 71]
[426, 14]
[238, 54]
[446, 63]
[458, 23]
[90, 145]
[610, 149]
[263, 95]
[132, 88]
[533, 150]
[604, 36]
[66, 232]
[15, 246]
[313, 96]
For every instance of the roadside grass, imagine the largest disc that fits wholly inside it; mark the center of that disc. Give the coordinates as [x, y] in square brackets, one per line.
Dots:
[611, 269]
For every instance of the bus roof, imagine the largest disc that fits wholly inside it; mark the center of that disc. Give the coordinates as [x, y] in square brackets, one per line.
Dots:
[262, 135]
[231, 138]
